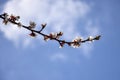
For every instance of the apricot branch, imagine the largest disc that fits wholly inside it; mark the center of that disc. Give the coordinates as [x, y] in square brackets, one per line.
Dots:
[52, 36]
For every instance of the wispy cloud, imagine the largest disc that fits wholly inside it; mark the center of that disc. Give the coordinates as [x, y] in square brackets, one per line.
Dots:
[60, 15]
[91, 28]
[58, 57]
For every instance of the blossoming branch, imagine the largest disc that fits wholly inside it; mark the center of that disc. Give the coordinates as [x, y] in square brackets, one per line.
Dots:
[52, 36]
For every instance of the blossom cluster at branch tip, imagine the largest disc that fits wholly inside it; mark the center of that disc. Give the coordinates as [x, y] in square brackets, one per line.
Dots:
[11, 17]
[43, 25]
[90, 38]
[97, 37]
[75, 43]
[5, 15]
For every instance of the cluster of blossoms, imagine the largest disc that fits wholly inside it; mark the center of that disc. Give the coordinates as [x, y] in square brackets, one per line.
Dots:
[12, 18]
[52, 36]
[75, 43]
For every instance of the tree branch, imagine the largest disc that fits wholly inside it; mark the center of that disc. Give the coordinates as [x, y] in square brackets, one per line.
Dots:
[52, 36]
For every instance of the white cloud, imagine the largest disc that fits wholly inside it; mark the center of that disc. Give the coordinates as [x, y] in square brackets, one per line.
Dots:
[87, 48]
[60, 15]
[92, 29]
[58, 57]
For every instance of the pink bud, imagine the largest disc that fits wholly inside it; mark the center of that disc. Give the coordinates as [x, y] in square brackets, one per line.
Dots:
[32, 34]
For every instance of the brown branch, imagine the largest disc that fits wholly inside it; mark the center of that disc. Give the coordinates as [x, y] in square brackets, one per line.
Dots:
[52, 36]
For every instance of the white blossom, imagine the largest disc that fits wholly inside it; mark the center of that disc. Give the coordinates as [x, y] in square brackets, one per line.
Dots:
[90, 38]
[53, 35]
[32, 25]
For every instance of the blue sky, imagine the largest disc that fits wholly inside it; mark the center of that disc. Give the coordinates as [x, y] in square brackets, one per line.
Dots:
[39, 60]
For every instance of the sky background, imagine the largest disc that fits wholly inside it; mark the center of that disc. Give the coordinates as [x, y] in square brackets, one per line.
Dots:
[26, 58]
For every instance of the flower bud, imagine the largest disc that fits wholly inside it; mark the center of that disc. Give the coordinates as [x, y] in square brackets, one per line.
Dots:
[32, 34]
[97, 37]
[43, 25]
[60, 34]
